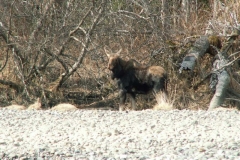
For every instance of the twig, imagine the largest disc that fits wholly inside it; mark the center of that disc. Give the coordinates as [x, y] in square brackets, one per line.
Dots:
[20, 71]
[5, 63]
[234, 54]
[234, 99]
[228, 64]
[13, 85]
[57, 58]
[78, 40]
[134, 14]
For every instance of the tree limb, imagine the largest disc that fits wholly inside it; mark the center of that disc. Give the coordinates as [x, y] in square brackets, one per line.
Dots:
[57, 58]
[13, 85]
[9, 42]
[5, 63]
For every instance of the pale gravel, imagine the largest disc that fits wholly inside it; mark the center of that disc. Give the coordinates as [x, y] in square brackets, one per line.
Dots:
[96, 134]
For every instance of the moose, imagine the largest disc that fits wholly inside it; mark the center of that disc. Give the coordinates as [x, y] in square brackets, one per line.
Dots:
[134, 78]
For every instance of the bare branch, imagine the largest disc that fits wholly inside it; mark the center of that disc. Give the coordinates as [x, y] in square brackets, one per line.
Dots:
[226, 65]
[13, 85]
[234, 54]
[133, 14]
[10, 43]
[78, 40]
[57, 58]
[83, 30]
[5, 63]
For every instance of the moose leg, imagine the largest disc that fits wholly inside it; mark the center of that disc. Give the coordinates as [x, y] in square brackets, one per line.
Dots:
[160, 88]
[133, 101]
[123, 95]
[157, 88]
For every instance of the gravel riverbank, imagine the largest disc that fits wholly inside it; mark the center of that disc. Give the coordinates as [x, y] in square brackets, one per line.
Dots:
[92, 134]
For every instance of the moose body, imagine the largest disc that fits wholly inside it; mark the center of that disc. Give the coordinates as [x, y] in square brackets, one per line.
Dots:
[134, 78]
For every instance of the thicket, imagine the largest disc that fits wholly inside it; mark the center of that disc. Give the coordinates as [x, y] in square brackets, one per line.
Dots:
[54, 49]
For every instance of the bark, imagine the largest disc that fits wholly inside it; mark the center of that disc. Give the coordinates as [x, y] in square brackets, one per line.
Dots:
[199, 48]
[222, 84]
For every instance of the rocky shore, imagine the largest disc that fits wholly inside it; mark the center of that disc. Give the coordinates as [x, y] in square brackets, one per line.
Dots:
[109, 135]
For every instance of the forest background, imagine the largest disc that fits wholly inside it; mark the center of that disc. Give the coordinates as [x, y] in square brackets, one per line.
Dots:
[54, 49]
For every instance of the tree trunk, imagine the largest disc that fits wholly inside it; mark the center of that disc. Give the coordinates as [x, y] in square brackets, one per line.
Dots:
[215, 8]
[165, 17]
[186, 9]
[175, 15]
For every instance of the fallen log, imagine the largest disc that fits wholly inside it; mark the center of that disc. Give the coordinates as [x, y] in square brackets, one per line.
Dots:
[219, 83]
[205, 44]
[199, 49]
[220, 79]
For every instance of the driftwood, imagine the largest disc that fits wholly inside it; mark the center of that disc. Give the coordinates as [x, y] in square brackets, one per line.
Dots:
[204, 44]
[220, 78]
[199, 49]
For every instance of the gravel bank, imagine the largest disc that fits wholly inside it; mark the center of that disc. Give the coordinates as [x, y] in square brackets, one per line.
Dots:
[92, 134]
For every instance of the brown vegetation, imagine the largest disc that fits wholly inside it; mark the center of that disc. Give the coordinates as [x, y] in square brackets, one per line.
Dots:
[54, 50]
[64, 107]
[16, 107]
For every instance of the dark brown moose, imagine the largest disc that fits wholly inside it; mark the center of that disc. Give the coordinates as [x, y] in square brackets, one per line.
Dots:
[134, 78]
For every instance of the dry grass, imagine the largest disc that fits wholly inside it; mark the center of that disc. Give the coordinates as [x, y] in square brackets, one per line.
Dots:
[64, 107]
[16, 107]
[163, 102]
[37, 105]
